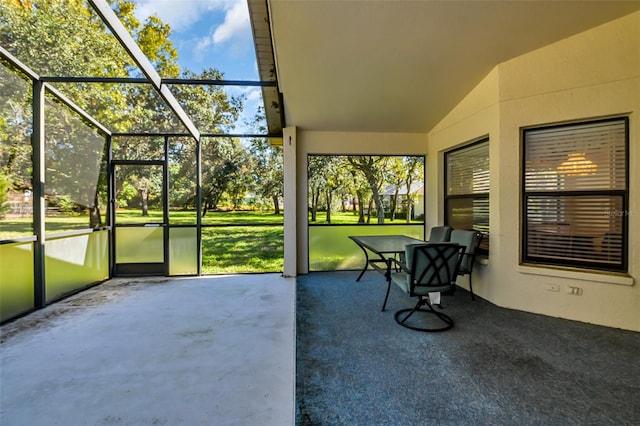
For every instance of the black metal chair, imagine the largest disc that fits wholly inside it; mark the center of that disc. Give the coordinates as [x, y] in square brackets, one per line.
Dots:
[429, 268]
[471, 241]
[439, 234]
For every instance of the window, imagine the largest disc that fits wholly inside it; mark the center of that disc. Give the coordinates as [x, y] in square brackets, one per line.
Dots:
[575, 195]
[467, 189]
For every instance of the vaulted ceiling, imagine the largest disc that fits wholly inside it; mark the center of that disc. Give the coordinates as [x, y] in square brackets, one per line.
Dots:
[401, 66]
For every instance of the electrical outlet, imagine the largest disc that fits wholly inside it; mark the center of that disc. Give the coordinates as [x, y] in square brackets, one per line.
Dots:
[574, 290]
[552, 287]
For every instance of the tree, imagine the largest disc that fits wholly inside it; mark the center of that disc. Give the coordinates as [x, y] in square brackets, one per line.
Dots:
[335, 181]
[154, 40]
[182, 174]
[74, 158]
[315, 179]
[4, 191]
[360, 177]
[396, 178]
[219, 176]
[374, 169]
[66, 38]
[213, 111]
[15, 129]
[414, 171]
[241, 181]
[268, 172]
[218, 169]
[361, 189]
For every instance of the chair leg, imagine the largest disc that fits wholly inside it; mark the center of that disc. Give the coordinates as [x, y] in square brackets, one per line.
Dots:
[471, 287]
[423, 302]
[386, 295]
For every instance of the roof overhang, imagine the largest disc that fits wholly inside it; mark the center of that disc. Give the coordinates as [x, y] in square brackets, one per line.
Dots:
[261, 28]
[400, 66]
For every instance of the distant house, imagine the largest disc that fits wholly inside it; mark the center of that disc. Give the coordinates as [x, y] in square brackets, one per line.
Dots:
[20, 203]
[417, 190]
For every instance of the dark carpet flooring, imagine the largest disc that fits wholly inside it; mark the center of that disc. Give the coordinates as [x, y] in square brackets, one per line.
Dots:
[356, 366]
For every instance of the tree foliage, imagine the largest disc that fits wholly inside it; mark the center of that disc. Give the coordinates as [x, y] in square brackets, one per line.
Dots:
[66, 38]
[374, 169]
[267, 172]
[15, 129]
[360, 180]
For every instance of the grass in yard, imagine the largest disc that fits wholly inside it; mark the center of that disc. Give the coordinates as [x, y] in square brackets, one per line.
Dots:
[232, 242]
[22, 227]
[242, 241]
[351, 218]
[188, 217]
[242, 249]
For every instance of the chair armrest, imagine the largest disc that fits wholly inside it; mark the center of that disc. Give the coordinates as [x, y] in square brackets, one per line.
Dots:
[399, 265]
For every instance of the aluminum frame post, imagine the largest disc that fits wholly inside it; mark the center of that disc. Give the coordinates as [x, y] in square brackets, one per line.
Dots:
[38, 182]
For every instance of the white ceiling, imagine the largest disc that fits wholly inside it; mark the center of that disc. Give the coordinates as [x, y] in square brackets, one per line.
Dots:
[401, 66]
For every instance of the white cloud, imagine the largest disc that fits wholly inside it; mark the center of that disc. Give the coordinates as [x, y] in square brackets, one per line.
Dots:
[254, 95]
[236, 21]
[249, 93]
[180, 14]
[234, 33]
[201, 45]
[206, 23]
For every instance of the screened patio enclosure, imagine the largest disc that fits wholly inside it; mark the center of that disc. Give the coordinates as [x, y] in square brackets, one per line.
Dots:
[78, 144]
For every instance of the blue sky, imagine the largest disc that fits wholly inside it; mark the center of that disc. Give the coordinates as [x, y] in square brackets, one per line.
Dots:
[211, 33]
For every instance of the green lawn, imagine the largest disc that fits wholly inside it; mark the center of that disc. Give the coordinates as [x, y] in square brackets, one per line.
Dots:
[21, 227]
[350, 218]
[183, 217]
[233, 242]
[242, 249]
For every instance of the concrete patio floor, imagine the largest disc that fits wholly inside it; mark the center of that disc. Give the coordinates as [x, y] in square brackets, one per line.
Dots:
[190, 351]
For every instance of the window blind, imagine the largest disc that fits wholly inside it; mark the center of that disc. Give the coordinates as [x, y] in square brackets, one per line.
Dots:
[575, 194]
[468, 170]
[577, 157]
[575, 228]
[467, 189]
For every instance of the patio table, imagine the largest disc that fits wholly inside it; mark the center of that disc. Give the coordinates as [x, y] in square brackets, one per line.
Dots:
[385, 247]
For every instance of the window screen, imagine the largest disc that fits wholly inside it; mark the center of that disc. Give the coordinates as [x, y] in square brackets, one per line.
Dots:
[575, 194]
[467, 188]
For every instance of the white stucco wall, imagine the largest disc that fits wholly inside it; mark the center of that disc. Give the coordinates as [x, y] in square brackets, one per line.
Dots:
[314, 142]
[289, 144]
[476, 117]
[590, 75]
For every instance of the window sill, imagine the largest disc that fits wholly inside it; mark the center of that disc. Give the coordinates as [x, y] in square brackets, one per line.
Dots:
[600, 277]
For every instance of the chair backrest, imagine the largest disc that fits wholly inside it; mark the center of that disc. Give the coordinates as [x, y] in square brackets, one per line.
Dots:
[439, 234]
[433, 264]
[470, 240]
